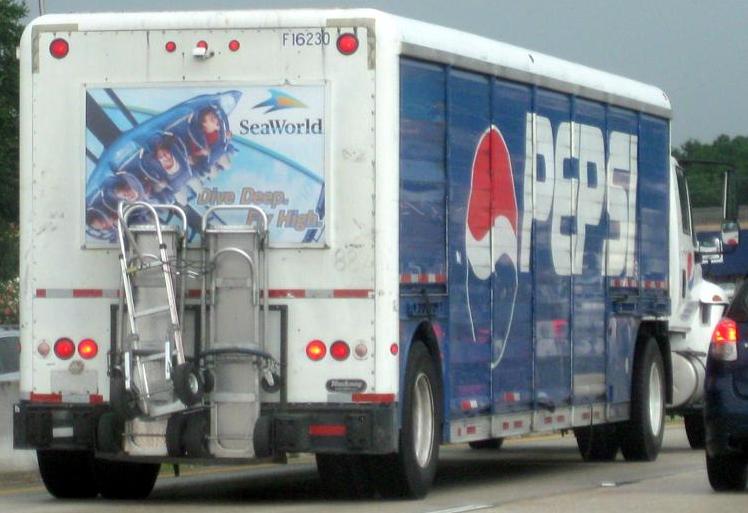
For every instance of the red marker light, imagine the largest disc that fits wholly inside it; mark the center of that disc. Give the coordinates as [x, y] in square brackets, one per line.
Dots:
[316, 350]
[340, 350]
[394, 349]
[88, 348]
[59, 48]
[170, 47]
[64, 348]
[347, 44]
[202, 44]
[234, 45]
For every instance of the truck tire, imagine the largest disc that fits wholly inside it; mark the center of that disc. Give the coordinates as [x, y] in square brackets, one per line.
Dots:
[641, 436]
[727, 473]
[68, 474]
[125, 480]
[491, 443]
[695, 431]
[344, 476]
[597, 443]
[410, 472]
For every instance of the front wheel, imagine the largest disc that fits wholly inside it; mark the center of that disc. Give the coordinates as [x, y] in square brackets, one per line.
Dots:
[641, 436]
[410, 472]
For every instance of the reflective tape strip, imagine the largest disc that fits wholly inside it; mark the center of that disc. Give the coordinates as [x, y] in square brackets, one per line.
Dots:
[408, 278]
[196, 293]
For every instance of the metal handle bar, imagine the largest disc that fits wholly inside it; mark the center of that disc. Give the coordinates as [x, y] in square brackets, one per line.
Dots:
[248, 208]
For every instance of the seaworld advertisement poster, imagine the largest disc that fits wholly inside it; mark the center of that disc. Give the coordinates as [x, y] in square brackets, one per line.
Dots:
[198, 147]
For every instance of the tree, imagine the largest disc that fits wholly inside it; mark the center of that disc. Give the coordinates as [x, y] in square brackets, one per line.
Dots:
[705, 182]
[11, 27]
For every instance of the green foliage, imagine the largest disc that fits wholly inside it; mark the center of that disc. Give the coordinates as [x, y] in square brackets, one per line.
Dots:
[11, 14]
[705, 182]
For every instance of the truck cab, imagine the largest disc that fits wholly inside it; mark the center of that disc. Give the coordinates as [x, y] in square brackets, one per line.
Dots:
[697, 307]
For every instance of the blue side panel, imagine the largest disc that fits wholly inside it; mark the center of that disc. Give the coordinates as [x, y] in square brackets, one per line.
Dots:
[468, 117]
[654, 157]
[422, 169]
[623, 323]
[588, 309]
[552, 283]
[512, 291]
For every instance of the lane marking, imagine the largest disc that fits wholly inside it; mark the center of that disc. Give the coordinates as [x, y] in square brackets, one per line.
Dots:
[463, 509]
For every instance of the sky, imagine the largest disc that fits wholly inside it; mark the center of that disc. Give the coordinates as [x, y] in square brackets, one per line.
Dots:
[696, 50]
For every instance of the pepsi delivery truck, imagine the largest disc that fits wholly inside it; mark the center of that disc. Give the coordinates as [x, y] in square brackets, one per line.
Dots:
[254, 233]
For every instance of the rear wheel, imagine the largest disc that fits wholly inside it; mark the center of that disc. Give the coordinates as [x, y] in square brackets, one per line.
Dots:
[68, 474]
[491, 443]
[410, 472]
[124, 480]
[188, 384]
[726, 473]
[597, 443]
[344, 476]
[641, 436]
[695, 431]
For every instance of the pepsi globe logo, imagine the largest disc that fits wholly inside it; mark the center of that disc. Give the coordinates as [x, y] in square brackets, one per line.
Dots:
[491, 224]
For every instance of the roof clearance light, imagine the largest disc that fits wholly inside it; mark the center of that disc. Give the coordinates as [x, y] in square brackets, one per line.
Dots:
[724, 341]
[59, 48]
[234, 45]
[316, 350]
[202, 44]
[340, 350]
[88, 348]
[64, 348]
[347, 43]
[170, 46]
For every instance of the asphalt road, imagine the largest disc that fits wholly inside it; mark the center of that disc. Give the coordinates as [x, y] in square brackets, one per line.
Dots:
[536, 475]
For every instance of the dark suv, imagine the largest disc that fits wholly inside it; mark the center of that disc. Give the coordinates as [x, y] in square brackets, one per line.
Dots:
[726, 398]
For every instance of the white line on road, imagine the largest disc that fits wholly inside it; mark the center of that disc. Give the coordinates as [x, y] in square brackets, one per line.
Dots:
[463, 509]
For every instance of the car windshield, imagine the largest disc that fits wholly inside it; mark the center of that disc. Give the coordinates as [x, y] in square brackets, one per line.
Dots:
[738, 310]
[9, 355]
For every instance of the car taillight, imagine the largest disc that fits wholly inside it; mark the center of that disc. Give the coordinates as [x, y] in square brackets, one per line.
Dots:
[59, 48]
[340, 350]
[724, 341]
[64, 348]
[316, 350]
[88, 348]
[347, 44]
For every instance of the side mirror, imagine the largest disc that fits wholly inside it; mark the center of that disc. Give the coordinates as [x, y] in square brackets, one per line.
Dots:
[710, 251]
[730, 234]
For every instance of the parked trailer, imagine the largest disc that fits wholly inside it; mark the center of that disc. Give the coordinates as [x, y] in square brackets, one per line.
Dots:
[334, 231]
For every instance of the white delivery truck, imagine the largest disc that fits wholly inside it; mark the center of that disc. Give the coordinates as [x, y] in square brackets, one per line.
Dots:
[252, 233]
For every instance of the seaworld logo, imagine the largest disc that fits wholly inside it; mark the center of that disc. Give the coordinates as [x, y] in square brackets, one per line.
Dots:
[279, 100]
[281, 127]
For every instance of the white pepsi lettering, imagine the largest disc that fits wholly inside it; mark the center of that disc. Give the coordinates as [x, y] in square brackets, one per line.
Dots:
[575, 202]
[561, 217]
[590, 194]
[622, 178]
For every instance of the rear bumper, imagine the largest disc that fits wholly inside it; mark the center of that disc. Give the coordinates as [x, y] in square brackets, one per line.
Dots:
[55, 426]
[343, 428]
[323, 428]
